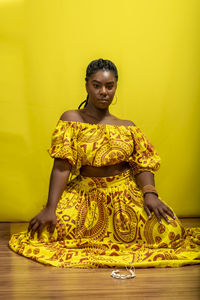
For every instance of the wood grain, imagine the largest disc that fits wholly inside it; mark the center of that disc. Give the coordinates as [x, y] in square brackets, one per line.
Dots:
[22, 278]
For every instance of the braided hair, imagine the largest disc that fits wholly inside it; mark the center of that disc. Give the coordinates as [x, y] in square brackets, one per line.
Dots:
[96, 65]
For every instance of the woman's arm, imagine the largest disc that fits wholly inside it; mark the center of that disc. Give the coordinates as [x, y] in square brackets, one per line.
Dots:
[58, 180]
[151, 201]
[144, 178]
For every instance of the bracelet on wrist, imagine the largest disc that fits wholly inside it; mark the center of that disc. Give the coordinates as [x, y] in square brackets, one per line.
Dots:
[150, 193]
[149, 188]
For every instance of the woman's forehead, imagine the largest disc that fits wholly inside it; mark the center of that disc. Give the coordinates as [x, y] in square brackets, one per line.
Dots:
[103, 76]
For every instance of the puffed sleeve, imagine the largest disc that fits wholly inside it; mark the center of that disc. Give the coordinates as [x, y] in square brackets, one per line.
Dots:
[144, 156]
[63, 142]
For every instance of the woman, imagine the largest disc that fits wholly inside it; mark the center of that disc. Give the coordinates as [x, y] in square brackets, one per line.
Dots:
[110, 213]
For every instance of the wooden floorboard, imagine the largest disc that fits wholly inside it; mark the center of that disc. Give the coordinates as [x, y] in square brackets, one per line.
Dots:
[22, 278]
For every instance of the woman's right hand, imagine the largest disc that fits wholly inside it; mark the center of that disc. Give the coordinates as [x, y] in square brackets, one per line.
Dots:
[46, 216]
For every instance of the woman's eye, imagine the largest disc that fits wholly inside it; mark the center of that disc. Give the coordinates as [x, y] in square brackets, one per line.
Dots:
[97, 86]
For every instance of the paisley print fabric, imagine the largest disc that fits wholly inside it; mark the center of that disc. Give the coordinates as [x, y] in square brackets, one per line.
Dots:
[101, 221]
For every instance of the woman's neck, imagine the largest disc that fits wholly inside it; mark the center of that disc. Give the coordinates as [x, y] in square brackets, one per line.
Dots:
[96, 113]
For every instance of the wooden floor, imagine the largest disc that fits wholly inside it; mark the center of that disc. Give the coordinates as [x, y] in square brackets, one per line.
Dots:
[21, 278]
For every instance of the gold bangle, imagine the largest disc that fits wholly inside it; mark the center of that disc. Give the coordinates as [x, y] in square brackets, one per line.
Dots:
[149, 188]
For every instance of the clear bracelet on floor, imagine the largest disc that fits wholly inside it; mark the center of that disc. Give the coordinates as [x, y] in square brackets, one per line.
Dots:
[115, 274]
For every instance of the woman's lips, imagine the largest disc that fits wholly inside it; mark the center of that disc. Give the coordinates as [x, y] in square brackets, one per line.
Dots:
[103, 100]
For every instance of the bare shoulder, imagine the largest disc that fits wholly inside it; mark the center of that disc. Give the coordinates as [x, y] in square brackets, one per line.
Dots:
[69, 115]
[118, 121]
[129, 123]
[125, 122]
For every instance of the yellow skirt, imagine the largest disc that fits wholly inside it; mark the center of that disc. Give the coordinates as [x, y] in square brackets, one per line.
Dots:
[101, 222]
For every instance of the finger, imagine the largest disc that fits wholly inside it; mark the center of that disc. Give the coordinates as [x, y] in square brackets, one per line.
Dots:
[35, 226]
[31, 223]
[52, 227]
[162, 213]
[39, 230]
[170, 212]
[157, 215]
[149, 215]
[29, 227]
[33, 219]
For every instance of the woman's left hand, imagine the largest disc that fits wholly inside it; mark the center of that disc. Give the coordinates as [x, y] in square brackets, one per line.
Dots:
[153, 204]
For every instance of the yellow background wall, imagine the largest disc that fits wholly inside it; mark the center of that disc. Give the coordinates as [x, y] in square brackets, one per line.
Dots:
[45, 48]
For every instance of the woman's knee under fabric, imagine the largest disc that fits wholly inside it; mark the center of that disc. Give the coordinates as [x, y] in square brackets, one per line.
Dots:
[119, 216]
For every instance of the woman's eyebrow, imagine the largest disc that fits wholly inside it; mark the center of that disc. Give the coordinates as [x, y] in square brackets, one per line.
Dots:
[100, 81]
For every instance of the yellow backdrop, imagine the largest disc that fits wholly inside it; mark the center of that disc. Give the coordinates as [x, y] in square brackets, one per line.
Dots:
[45, 48]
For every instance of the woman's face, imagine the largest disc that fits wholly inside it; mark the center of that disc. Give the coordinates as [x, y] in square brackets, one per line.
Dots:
[101, 88]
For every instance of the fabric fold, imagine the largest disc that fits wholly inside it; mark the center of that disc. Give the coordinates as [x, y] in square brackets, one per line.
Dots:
[145, 156]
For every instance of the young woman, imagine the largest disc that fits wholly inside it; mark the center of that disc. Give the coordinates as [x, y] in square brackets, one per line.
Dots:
[109, 214]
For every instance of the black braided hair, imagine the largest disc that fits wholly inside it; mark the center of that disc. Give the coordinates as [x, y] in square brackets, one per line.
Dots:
[96, 65]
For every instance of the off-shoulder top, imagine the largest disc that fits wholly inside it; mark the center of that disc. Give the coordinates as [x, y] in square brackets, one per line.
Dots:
[103, 145]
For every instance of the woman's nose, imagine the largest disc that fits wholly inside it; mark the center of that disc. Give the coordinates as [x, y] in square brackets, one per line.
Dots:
[103, 90]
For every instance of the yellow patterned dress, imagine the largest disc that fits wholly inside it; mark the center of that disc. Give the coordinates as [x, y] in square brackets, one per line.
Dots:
[101, 221]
